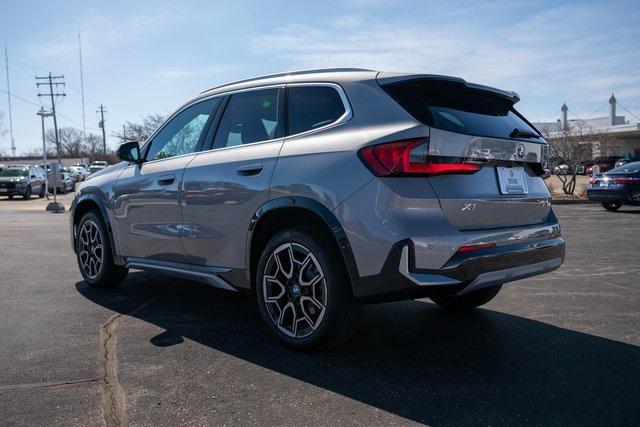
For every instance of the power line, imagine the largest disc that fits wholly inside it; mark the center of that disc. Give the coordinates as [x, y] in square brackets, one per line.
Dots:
[13, 95]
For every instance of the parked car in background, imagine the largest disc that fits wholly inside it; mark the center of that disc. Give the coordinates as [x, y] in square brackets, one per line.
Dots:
[581, 170]
[80, 171]
[22, 181]
[561, 170]
[604, 163]
[98, 165]
[65, 182]
[72, 173]
[319, 191]
[617, 187]
[626, 159]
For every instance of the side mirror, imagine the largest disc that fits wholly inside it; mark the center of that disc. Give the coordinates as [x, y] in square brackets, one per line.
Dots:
[129, 152]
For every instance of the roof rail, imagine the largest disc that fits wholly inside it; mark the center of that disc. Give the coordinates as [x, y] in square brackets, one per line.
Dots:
[288, 73]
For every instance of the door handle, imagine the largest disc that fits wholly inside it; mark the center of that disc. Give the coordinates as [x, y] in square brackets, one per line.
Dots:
[252, 169]
[166, 179]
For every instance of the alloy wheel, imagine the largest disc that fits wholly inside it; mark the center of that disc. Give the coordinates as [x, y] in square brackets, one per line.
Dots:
[294, 289]
[91, 251]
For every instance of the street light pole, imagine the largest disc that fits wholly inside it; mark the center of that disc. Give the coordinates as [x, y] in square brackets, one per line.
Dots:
[54, 206]
[44, 113]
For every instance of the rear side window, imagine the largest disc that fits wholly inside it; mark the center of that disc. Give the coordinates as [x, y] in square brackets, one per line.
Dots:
[454, 107]
[249, 117]
[311, 107]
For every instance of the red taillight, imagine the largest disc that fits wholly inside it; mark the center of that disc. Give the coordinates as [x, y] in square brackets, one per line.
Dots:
[592, 181]
[469, 248]
[409, 157]
[626, 180]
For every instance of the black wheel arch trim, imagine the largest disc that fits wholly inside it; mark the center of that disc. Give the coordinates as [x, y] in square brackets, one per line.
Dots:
[90, 197]
[324, 213]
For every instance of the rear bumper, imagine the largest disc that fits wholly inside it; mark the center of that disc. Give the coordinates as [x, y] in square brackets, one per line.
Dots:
[400, 279]
[622, 195]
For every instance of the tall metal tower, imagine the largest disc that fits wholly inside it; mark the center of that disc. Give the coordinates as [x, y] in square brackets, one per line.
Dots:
[84, 124]
[6, 63]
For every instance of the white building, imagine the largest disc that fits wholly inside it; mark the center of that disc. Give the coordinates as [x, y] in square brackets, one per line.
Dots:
[626, 136]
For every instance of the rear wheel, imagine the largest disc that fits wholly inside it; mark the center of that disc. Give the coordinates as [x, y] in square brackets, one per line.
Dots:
[303, 292]
[27, 193]
[467, 301]
[611, 206]
[94, 254]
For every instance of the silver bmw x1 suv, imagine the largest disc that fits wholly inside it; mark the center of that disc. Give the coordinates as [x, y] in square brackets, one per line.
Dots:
[323, 190]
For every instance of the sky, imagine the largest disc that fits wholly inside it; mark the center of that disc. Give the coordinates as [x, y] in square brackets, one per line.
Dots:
[145, 57]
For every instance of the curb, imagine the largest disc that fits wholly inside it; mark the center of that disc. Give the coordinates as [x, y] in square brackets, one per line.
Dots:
[571, 201]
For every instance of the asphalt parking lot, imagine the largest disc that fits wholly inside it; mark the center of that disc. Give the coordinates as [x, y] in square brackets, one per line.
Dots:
[558, 349]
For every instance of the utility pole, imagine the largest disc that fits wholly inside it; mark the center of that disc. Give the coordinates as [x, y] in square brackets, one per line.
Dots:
[102, 110]
[6, 62]
[50, 81]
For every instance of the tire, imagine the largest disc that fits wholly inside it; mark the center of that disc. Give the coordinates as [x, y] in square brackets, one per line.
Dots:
[323, 310]
[467, 301]
[611, 206]
[42, 191]
[96, 265]
[27, 193]
[10, 196]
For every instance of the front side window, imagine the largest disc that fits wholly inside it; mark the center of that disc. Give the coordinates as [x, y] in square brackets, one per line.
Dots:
[311, 107]
[181, 135]
[249, 117]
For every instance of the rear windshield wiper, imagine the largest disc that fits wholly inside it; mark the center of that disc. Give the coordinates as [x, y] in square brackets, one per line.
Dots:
[523, 134]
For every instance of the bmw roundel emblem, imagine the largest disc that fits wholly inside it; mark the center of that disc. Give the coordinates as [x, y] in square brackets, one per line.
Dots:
[521, 151]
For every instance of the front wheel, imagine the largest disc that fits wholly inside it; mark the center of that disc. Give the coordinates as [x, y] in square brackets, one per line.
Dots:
[42, 192]
[611, 206]
[467, 301]
[303, 292]
[27, 193]
[94, 254]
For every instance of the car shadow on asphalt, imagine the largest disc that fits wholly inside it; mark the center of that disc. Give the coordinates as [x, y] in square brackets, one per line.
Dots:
[411, 358]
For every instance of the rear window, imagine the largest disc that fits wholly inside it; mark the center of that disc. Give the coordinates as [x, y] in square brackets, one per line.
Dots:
[14, 172]
[311, 107]
[454, 107]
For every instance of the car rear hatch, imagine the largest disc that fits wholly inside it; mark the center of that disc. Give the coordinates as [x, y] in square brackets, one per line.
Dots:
[474, 124]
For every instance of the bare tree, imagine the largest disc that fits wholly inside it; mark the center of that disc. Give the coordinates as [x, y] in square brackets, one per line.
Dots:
[140, 131]
[92, 145]
[573, 147]
[70, 141]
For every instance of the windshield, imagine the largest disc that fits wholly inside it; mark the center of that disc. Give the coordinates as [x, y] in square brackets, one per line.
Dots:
[457, 108]
[14, 172]
[631, 168]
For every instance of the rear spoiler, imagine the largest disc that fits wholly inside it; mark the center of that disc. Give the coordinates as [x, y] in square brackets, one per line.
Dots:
[390, 78]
